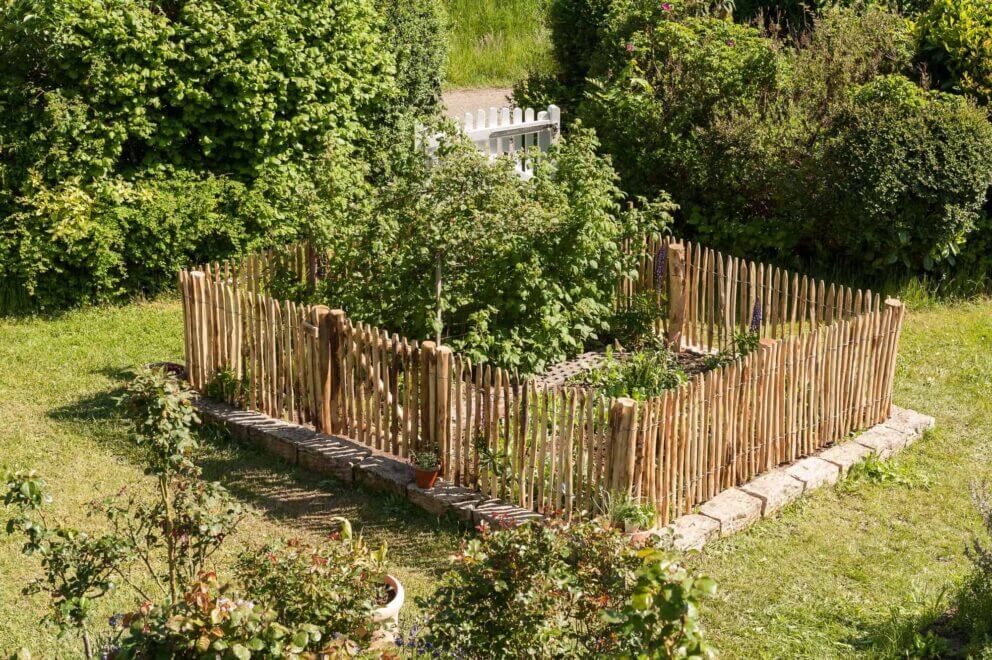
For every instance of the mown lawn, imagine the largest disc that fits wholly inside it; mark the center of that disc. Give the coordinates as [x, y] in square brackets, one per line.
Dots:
[849, 571]
[855, 570]
[494, 43]
[58, 380]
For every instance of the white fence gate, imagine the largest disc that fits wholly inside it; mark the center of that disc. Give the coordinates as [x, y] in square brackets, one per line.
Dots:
[509, 131]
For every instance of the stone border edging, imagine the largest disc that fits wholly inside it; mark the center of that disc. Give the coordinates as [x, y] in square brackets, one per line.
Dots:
[736, 509]
[354, 463]
[731, 511]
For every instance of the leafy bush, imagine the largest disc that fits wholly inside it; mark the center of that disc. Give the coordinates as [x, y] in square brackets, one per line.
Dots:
[975, 597]
[640, 375]
[526, 268]
[416, 31]
[142, 134]
[576, 590]
[956, 43]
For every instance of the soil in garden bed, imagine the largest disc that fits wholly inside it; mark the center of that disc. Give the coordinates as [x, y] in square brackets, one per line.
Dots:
[692, 363]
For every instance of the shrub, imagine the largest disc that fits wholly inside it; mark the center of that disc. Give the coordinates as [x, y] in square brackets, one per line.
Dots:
[526, 268]
[904, 176]
[576, 590]
[141, 134]
[416, 32]
[975, 597]
[955, 41]
[334, 587]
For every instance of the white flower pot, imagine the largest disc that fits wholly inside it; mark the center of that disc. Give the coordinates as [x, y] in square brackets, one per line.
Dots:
[390, 612]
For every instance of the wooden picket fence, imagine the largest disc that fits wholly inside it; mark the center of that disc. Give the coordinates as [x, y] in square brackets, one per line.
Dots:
[825, 369]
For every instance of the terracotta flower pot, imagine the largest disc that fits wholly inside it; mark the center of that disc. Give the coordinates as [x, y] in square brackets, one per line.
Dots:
[426, 478]
[389, 613]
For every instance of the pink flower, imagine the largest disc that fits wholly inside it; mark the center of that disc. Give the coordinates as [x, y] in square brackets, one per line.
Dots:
[666, 6]
[630, 48]
[731, 42]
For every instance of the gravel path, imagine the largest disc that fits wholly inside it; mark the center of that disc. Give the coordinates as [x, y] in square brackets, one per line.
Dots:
[459, 101]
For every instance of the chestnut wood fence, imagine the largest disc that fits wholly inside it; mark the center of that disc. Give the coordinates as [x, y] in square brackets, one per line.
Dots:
[825, 369]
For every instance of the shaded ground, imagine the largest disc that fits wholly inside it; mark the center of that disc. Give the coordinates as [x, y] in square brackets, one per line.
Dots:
[58, 381]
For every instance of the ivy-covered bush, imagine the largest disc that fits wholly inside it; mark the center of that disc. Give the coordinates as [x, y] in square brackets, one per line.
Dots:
[115, 114]
[517, 272]
[577, 590]
[956, 44]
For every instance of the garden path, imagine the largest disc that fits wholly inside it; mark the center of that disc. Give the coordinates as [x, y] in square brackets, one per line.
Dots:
[459, 101]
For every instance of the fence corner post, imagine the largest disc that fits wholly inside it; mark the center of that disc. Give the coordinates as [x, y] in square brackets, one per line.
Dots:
[676, 294]
[623, 439]
[896, 311]
[332, 394]
[428, 394]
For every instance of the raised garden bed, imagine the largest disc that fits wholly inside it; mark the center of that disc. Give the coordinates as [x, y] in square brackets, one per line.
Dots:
[824, 369]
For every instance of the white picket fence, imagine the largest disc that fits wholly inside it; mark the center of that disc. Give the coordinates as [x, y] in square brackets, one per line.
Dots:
[511, 131]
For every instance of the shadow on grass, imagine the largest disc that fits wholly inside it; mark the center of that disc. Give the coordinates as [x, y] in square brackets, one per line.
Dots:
[296, 498]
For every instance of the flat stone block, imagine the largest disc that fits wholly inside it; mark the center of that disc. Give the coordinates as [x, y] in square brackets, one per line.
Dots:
[845, 455]
[384, 473]
[882, 440]
[909, 422]
[775, 490]
[693, 531]
[328, 455]
[733, 509]
[814, 472]
[445, 499]
[263, 435]
[496, 513]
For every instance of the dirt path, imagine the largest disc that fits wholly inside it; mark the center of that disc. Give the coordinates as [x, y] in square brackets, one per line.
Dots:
[459, 101]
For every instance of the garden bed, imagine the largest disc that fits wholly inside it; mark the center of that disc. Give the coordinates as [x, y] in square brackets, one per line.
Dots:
[821, 367]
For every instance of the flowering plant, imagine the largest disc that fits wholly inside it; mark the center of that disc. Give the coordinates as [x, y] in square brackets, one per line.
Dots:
[426, 458]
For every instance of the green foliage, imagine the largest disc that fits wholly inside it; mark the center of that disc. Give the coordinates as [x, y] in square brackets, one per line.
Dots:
[335, 586]
[876, 471]
[520, 273]
[162, 415]
[743, 344]
[633, 326]
[625, 512]
[975, 596]
[426, 458]
[955, 41]
[77, 568]
[212, 621]
[540, 590]
[141, 135]
[416, 32]
[640, 375]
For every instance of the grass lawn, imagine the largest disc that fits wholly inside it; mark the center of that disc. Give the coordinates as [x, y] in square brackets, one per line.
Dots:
[855, 570]
[846, 572]
[495, 42]
[58, 378]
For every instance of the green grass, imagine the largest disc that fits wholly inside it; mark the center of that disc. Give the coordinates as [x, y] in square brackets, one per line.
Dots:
[849, 571]
[493, 43]
[856, 570]
[58, 379]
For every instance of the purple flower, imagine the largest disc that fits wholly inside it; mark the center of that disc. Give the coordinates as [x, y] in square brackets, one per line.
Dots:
[731, 42]
[116, 620]
[666, 6]
[659, 266]
[756, 316]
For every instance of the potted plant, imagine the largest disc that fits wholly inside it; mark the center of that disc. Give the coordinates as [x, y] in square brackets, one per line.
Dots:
[633, 516]
[426, 465]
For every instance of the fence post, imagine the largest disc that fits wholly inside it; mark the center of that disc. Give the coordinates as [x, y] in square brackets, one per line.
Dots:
[442, 378]
[676, 294]
[322, 321]
[898, 312]
[623, 440]
[332, 393]
[311, 267]
[428, 393]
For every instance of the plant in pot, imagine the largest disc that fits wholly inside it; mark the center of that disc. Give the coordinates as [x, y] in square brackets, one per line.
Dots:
[426, 465]
[628, 513]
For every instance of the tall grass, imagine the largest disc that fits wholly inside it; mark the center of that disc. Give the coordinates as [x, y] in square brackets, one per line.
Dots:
[495, 42]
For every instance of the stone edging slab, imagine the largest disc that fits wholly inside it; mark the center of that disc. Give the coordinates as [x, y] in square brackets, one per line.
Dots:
[731, 511]
[355, 463]
[736, 509]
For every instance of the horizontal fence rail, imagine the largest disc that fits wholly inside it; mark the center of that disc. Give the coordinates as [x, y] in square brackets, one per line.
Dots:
[824, 369]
